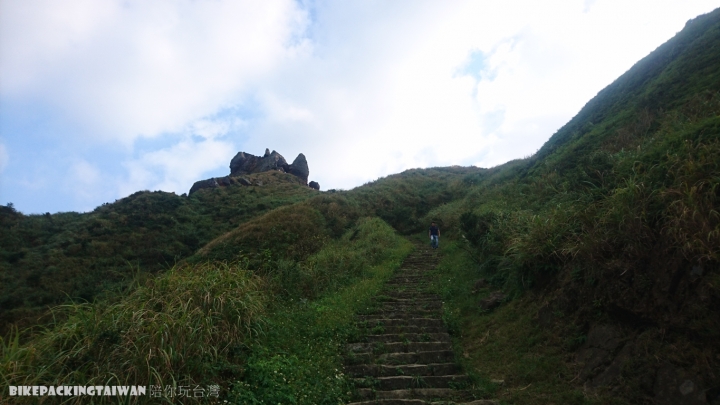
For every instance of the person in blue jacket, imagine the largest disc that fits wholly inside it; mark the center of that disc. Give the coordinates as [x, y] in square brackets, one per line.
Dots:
[434, 233]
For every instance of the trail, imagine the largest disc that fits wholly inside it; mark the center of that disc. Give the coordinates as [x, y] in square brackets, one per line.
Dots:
[404, 355]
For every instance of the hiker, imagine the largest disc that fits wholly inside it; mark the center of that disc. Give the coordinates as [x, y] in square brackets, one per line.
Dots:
[434, 233]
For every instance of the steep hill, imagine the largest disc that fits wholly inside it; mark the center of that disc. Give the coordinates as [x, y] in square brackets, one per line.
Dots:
[611, 236]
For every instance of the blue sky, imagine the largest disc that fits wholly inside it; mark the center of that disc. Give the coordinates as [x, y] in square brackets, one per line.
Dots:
[101, 99]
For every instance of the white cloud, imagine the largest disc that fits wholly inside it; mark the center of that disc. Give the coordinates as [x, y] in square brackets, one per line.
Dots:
[382, 93]
[84, 173]
[364, 89]
[4, 158]
[86, 185]
[176, 168]
[123, 69]
[210, 128]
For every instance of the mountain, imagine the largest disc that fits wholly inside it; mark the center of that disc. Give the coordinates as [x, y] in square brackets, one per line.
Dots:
[605, 246]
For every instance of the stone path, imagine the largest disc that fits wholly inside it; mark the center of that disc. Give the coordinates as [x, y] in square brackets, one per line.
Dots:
[405, 356]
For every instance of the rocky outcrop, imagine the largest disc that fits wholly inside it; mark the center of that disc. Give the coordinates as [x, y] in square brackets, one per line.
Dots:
[299, 168]
[314, 185]
[199, 185]
[216, 182]
[246, 163]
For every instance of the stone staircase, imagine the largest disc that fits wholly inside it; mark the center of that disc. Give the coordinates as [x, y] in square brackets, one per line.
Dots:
[404, 355]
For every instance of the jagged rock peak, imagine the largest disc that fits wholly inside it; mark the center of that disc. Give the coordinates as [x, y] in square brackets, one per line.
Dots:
[299, 168]
[246, 163]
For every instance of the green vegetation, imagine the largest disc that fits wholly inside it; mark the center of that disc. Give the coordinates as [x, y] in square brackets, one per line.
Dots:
[526, 360]
[46, 259]
[614, 222]
[299, 359]
[184, 326]
[215, 323]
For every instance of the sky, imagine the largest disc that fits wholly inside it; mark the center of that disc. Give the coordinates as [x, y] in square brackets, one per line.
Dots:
[99, 99]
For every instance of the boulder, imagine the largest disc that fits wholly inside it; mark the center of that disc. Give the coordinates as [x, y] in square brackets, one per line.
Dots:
[199, 185]
[245, 163]
[244, 181]
[299, 168]
[315, 185]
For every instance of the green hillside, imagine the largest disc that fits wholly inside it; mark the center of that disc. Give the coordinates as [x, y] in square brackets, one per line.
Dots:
[47, 259]
[605, 245]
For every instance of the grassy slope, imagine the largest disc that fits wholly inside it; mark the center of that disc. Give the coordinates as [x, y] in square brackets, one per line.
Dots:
[613, 226]
[46, 259]
[255, 334]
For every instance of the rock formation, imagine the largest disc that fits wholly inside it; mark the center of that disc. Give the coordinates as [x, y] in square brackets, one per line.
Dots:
[209, 183]
[245, 163]
[299, 168]
[314, 185]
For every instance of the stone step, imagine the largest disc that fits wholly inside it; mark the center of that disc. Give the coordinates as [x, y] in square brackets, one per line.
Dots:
[401, 313]
[411, 294]
[409, 291]
[390, 330]
[404, 289]
[414, 270]
[410, 275]
[392, 402]
[404, 310]
[385, 322]
[405, 297]
[404, 354]
[418, 393]
[422, 402]
[407, 285]
[429, 357]
[410, 278]
[406, 337]
[420, 305]
[398, 347]
[384, 298]
[411, 382]
[382, 370]
[406, 274]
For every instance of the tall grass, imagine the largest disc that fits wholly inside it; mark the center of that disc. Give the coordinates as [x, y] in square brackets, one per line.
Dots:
[215, 323]
[184, 327]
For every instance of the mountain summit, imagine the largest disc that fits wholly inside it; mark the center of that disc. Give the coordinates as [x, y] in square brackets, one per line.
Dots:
[245, 163]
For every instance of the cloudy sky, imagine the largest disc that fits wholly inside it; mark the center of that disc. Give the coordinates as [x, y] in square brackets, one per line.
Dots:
[99, 99]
